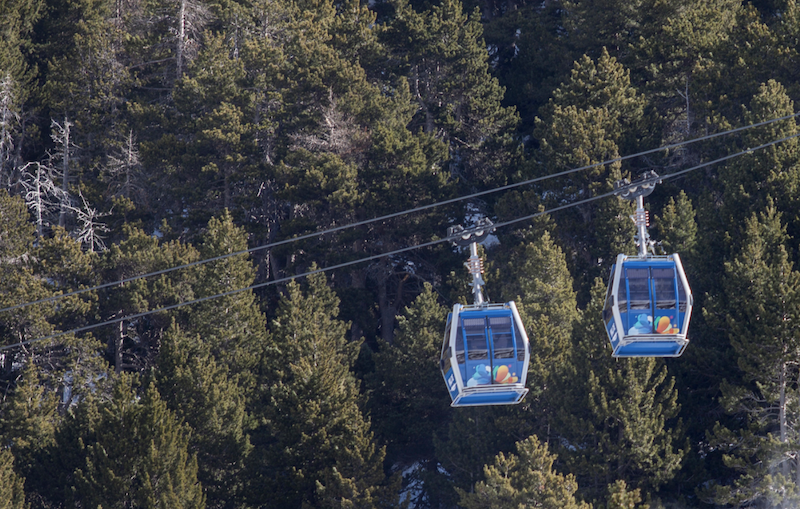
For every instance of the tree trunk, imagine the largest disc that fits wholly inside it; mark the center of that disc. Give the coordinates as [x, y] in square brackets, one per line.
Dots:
[62, 217]
[181, 38]
[782, 415]
[119, 337]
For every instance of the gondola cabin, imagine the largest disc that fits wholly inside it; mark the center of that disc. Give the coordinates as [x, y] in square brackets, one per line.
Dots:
[485, 355]
[648, 306]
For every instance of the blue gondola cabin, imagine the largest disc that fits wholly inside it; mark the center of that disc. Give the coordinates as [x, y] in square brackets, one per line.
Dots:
[485, 355]
[648, 306]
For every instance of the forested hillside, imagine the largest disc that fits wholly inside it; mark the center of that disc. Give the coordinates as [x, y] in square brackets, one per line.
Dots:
[239, 140]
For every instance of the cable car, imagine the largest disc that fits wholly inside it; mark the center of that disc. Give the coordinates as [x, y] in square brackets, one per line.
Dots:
[648, 306]
[648, 302]
[485, 354]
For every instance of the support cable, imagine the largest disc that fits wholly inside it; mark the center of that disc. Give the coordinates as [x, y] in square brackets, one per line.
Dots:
[391, 253]
[395, 214]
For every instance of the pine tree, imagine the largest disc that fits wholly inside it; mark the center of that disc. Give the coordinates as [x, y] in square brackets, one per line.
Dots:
[472, 439]
[442, 53]
[529, 56]
[762, 286]
[617, 421]
[404, 384]
[677, 228]
[198, 389]
[590, 117]
[613, 25]
[19, 285]
[232, 327]
[215, 110]
[524, 480]
[620, 498]
[133, 344]
[28, 420]
[17, 81]
[537, 279]
[406, 387]
[604, 83]
[681, 62]
[348, 154]
[316, 448]
[85, 88]
[771, 171]
[12, 495]
[136, 455]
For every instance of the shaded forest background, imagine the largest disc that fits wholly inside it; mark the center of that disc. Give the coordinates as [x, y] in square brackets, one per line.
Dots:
[141, 135]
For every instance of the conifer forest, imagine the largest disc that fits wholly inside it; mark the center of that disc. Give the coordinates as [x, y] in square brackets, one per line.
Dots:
[225, 269]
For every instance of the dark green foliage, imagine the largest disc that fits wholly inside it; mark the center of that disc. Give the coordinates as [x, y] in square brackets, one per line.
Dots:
[121, 450]
[620, 498]
[317, 446]
[407, 385]
[618, 416]
[199, 129]
[442, 52]
[232, 327]
[29, 420]
[677, 228]
[198, 389]
[762, 286]
[133, 344]
[137, 454]
[537, 279]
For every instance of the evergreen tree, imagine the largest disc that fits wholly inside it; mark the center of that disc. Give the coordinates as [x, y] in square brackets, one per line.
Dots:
[135, 455]
[19, 285]
[681, 63]
[617, 421]
[443, 55]
[215, 110]
[589, 118]
[537, 279]
[18, 72]
[620, 498]
[590, 115]
[677, 228]
[12, 495]
[316, 448]
[198, 389]
[67, 268]
[406, 386]
[529, 56]
[472, 439]
[762, 286]
[604, 83]
[614, 25]
[771, 171]
[348, 154]
[133, 344]
[28, 421]
[232, 327]
[525, 480]
[407, 383]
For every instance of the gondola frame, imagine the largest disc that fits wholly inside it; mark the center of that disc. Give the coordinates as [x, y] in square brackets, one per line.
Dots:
[645, 345]
[482, 395]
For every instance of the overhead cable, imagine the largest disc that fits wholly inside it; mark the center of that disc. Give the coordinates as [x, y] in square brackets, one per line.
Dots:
[394, 214]
[390, 253]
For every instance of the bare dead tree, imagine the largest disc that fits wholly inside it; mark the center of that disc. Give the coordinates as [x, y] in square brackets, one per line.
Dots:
[62, 158]
[42, 194]
[90, 231]
[123, 172]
